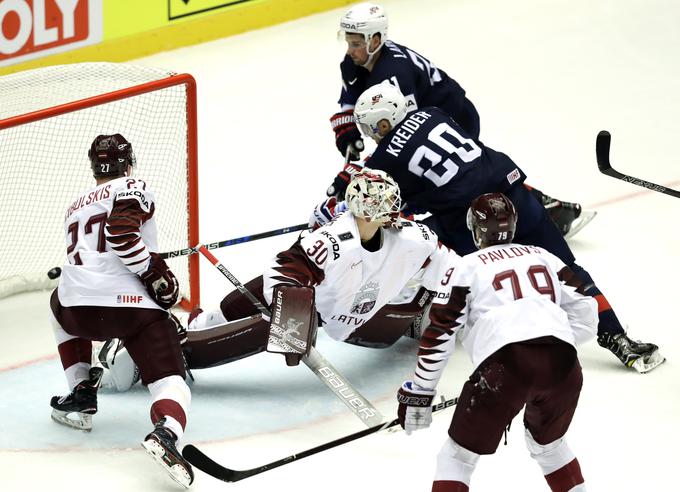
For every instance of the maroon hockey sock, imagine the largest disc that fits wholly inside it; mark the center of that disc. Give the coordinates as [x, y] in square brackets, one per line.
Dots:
[74, 351]
[449, 486]
[565, 478]
[168, 408]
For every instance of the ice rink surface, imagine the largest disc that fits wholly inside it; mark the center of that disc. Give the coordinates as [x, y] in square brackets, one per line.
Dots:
[545, 77]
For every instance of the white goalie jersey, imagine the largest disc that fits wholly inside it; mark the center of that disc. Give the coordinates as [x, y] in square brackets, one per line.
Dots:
[110, 231]
[352, 284]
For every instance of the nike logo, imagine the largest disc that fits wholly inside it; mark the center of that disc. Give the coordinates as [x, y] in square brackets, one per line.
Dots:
[351, 82]
[357, 263]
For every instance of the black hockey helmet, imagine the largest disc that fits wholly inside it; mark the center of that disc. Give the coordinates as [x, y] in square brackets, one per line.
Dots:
[110, 155]
[492, 219]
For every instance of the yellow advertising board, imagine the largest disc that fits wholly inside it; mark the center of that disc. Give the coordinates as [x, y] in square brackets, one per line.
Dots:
[37, 33]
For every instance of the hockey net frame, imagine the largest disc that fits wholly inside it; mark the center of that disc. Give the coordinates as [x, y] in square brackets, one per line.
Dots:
[190, 297]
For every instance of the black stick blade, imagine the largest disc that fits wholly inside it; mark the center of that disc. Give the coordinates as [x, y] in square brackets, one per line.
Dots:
[206, 464]
[602, 144]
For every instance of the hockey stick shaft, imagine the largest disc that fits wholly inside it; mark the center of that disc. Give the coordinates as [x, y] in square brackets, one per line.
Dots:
[201, 461]
[236, 240]
[338, 384]
[56, 271]
[602, 146]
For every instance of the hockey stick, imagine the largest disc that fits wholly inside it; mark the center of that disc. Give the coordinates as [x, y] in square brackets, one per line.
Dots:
[602, 145]
[56, 271]
[204, 463]
[323, 369]
[236, 240]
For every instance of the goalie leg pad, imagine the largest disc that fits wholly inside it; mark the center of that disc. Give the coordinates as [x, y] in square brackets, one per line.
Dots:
[293, 325]
[226, 343]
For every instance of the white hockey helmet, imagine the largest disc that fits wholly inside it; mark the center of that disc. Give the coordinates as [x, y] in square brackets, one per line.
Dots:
[366, 19]
[374, 195]
[382, 101]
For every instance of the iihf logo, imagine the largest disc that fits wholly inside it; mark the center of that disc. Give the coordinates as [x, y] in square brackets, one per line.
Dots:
[128, 299]
[376, 99]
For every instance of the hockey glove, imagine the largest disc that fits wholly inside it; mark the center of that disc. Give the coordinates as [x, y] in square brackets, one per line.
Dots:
[326, 211]
[160, 282]
[347, 135]
[339, 185]
[415, 406]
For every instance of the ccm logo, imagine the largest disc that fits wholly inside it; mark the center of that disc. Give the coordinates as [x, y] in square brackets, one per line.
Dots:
[29, 26]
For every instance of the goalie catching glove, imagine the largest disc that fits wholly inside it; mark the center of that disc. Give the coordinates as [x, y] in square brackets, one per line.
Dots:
[160, 282]
[293, 323]
[347, 135]
[415, 406]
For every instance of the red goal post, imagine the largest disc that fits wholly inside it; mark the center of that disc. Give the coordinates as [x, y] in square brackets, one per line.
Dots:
[48, 119]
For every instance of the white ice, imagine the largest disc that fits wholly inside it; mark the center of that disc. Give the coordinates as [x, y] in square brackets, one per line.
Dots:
[546, 77]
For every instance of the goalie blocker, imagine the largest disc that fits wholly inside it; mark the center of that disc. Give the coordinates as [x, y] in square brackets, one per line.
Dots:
[293, 324]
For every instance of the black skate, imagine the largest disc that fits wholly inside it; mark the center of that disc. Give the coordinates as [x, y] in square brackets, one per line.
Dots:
[569, 217]
[76, 409]
[643, 357]
[161, 445]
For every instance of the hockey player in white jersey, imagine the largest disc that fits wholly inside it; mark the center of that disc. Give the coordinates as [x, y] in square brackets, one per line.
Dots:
[114, 284]
[369, 274]
[519, 312]
[358, 263]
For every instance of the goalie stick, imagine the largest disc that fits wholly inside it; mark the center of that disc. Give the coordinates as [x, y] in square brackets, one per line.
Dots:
[602, 145]
[338, 384]
[206, 464]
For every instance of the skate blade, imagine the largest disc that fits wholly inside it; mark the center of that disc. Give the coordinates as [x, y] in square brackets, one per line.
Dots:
[582, 221]
[83, 422]
[177, 472]
[653, 361]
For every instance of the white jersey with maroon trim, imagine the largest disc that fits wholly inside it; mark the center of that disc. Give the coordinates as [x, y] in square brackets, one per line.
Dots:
[500, 295]
[110, 230]
[351, 283]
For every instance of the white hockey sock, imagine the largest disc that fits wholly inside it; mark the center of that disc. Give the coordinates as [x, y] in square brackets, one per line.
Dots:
[558, 463]
[455, 463]
[171, 400]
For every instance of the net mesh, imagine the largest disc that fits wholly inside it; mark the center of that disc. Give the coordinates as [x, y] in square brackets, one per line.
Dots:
[44, 164]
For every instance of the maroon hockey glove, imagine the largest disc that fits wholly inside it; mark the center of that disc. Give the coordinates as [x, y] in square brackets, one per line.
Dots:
[347, 134]
[160, 282]
[415, 406]
[339, 185]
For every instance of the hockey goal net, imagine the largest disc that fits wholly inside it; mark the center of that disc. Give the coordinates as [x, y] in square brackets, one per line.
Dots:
[48, 119]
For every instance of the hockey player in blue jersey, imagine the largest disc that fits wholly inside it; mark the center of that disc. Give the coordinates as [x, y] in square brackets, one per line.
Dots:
[372, 58]
[440, 169]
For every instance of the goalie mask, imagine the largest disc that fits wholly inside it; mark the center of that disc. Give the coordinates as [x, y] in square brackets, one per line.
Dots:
[373, 195]
[492, 219]
[379, 102]
[367, 19]
[110, 156]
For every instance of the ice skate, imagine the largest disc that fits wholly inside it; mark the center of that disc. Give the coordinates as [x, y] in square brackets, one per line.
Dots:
[643, 357]
[569, 217]
[161, 445]
[76, 409]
